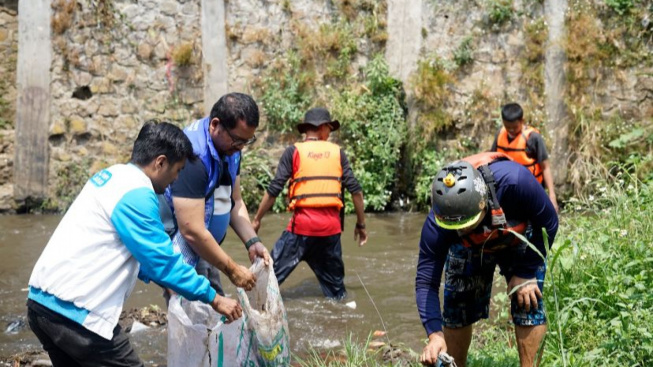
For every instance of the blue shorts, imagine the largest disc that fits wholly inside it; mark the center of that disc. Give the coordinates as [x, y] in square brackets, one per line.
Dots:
[468, 286]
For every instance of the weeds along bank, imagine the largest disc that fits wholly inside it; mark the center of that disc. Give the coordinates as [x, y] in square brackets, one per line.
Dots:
[118, 63]
[597, 291]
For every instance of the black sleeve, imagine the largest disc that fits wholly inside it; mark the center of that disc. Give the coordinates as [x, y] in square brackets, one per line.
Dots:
[348, 180]
[191, 182]
[494, 143]
[535, 147]
[539, 212]
[284, 172]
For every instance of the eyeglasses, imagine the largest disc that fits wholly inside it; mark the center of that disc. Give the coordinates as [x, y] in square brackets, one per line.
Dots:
[239, 142]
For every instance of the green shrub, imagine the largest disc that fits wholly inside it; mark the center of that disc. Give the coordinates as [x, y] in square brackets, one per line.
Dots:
[426, 163]
[430, 90]
[463, 54]
[256, 174]
[284, 99]
[72, 178]
[500, 11]
[621, 7]
[373, 132]
[5, 123]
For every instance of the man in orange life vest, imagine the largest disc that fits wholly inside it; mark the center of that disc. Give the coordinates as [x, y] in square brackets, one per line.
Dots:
[524, 144]
[477, 201]
[318, 170]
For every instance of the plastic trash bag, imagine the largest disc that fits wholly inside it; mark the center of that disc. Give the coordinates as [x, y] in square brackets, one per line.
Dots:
[198, 336]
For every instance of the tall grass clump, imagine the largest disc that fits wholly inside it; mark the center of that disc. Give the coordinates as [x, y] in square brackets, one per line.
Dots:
[603, 277]
[597, 292]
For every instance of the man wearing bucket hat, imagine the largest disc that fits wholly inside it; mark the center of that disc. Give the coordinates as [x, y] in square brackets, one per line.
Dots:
[479, 203]
[318, 172]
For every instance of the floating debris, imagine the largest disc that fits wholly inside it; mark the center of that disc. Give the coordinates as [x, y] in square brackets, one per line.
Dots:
[15, 326]
[378, 333]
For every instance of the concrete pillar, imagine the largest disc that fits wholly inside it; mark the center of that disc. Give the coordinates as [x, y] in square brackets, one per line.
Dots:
[404, 37]
[555, 88]
[33, 99]
[214, 52]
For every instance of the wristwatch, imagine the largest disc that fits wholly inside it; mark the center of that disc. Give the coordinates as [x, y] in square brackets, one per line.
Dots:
[252, 241]
[360, 226]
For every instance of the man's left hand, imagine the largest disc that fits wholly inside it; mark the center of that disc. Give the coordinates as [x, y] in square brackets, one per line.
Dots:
[258, 250]
[360, 235]
[527, 294]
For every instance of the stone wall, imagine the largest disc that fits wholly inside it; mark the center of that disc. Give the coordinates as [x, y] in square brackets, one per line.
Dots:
[495, 71]
[115, 67]
[119, 63]
[258, 31]
[8, 53]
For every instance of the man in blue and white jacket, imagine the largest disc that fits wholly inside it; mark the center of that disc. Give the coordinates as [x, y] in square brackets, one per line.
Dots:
[206, 198]
[111, 235]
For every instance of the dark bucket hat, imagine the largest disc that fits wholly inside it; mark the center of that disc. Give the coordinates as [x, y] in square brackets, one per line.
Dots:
[316, 117]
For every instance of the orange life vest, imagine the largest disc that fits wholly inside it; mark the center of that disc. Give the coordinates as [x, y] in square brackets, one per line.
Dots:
[316, 182]
[516, 149]
[498, 236]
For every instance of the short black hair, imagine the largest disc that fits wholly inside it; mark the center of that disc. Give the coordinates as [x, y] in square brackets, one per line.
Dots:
[512, 112]
[161, 138]
[233, 107]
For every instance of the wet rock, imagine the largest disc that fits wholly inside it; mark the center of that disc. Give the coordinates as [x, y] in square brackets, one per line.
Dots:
[7, 202]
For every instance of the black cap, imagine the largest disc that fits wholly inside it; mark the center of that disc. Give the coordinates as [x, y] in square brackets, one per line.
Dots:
[316, 117]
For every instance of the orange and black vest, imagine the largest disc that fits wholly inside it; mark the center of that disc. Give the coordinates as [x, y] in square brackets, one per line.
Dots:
[316, 179]
[498, 235]
[516, 149]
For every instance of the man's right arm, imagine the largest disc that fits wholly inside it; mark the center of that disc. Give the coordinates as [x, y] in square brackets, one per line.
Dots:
[188, 200]
[433, 248]
[190, 219]
[137, 222]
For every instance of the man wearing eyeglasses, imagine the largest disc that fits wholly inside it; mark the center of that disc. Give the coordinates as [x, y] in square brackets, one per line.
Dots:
[205, 199]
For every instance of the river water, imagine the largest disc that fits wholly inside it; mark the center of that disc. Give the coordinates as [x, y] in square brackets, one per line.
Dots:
[386, 267]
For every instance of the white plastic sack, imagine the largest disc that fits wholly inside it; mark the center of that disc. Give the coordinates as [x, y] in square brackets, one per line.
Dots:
[198, 336]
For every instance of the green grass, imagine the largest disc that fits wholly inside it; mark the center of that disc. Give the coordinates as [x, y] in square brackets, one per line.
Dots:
[597, 291]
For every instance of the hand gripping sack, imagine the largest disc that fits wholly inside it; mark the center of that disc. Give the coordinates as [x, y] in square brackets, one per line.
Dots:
[198, 336]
